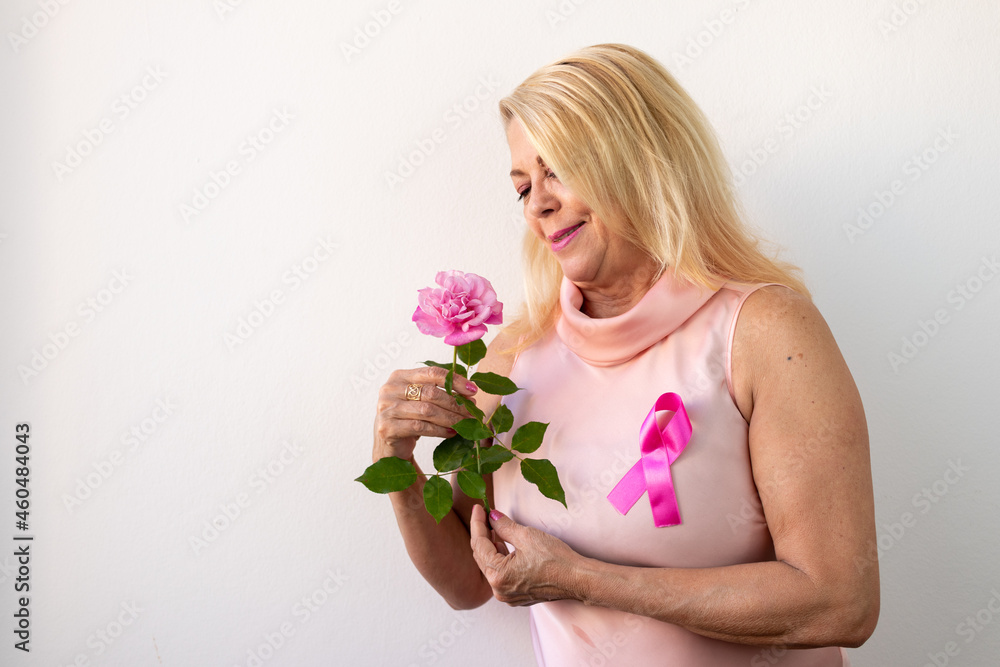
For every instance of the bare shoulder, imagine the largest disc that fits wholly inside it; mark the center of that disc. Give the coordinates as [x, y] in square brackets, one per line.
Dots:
[780, 339]
[809, 448]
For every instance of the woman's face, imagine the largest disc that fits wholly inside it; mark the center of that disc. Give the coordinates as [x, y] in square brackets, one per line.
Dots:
[590, 255]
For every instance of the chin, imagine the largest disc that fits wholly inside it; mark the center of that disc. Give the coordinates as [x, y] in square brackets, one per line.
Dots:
[578, 275]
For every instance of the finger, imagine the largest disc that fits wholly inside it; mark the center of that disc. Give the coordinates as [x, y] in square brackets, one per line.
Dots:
[396, 392]
[435, 405]
[477, 523]
[433, 394]
[505, 528]
[483, 549]
[501, 547]
[436, 376]
[398, 429]
[423, 411]
[479, 528]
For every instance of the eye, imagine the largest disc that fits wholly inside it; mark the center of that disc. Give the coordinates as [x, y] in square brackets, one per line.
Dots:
[524, 193]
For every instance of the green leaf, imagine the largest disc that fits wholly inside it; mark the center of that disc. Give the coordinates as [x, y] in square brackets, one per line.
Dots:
[502, 419]
[448, 380]
[450, 453]
[459, 368]
[473, 352]
[494, 384]
[528, 438]
[437, 497]
[389, 474]
[472, 429]
[471, 407]
[491, 458]
[542, 474]
[472, 484]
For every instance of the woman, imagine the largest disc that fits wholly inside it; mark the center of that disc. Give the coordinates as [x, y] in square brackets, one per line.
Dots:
[641, 280]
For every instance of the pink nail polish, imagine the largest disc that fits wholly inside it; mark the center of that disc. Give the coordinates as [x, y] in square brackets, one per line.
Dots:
[471, 387]
[495, 515]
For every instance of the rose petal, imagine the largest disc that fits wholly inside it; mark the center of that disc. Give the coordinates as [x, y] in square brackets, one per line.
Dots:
[431, 325]
[459, 308]
[459, 337]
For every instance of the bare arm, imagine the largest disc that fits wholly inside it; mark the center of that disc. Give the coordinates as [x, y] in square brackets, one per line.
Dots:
[809, 453]
[440, 552]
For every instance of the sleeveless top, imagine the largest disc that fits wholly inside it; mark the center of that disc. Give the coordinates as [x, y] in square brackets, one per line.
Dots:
[594, 381]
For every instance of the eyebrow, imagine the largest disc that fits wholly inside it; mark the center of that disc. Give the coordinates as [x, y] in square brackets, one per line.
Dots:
[518, 172]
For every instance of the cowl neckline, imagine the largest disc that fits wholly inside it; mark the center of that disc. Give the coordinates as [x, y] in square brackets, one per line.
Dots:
[608, 341]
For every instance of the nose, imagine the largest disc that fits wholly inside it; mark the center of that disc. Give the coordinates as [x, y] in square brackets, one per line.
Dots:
[543, 201]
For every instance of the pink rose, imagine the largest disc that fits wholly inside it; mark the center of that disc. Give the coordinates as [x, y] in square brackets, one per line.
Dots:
[459, 310]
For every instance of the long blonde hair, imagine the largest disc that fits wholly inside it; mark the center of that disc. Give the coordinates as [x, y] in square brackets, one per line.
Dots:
[628, 140]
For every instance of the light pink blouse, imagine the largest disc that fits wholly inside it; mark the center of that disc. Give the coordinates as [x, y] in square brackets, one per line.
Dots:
[594, 381]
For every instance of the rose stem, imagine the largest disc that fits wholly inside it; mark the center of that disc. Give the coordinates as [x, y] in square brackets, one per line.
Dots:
[479, 463]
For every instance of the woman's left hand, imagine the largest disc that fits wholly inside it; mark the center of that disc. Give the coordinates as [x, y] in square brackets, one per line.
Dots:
[538, 569]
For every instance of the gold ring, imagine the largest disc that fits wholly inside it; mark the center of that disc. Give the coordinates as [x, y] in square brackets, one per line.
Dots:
[413, 392]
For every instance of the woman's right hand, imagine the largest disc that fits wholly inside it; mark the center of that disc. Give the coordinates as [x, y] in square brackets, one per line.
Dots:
[399, 421]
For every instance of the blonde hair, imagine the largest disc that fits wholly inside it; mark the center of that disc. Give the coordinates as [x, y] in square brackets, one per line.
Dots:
[624, 136]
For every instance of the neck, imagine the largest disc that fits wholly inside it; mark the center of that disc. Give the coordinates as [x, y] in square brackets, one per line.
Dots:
[618, 298]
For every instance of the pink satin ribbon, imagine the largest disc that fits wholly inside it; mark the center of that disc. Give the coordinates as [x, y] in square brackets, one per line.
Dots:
[659, 448]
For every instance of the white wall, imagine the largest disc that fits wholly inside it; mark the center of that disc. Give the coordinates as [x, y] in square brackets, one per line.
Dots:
[197, 80]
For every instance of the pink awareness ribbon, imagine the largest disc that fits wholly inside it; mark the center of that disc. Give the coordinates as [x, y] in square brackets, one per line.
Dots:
[660, 448]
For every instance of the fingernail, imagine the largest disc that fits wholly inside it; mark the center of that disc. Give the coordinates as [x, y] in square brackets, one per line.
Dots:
[471, 387]
[452, 431]
[495, 515]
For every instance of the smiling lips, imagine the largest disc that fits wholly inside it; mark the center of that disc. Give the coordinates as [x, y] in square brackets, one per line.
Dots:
[561, 238]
